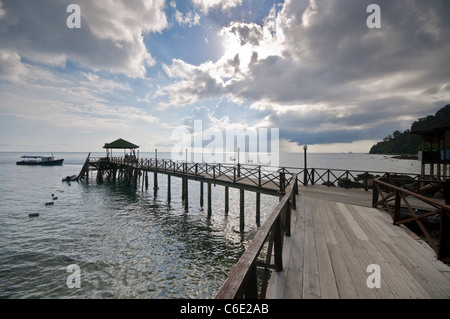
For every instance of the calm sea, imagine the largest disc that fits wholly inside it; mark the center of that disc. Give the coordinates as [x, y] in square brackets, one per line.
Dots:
[126, 242]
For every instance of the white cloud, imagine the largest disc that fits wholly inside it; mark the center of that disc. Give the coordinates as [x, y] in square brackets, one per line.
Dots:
[111, 36]
[318, 71]
[207, 5]
[191, 18]
[2, 11]
[11, 67]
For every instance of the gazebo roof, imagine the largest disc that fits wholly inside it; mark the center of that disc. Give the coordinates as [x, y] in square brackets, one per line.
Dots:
[434, 127]
[120, 144]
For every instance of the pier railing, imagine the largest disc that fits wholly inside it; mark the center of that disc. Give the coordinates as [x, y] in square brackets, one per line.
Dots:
[364, 179]
[274, 179]
[256, 176]
[243, 279]
[392, 198]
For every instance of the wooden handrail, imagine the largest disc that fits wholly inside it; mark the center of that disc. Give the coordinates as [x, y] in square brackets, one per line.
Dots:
[399, 195]
[242, 281]
[254, 175]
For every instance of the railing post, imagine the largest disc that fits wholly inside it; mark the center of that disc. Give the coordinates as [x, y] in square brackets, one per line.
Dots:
[312, 176]
[447, 191]
[282, 181]
[375, 194]
[259, 176]
[278, 245]
[366, 181]
[346, 180]
[305, 177]
[328, 178]
[396, 216]
[444, 237]
[287, 218]
[251, 291]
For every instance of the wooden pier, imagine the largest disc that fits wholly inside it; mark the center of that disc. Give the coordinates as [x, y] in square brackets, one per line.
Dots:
[320, 241]
[252, 178]
[332, 245]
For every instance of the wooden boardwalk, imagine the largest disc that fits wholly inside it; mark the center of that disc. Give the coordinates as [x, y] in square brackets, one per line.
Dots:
[333, 242]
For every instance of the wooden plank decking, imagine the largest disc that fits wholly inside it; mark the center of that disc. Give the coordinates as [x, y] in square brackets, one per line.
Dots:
[332, 243]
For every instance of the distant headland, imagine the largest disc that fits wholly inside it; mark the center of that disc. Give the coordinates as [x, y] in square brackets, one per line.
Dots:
[406, 144]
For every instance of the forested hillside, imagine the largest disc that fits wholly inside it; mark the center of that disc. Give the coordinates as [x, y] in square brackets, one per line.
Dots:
[406, 142]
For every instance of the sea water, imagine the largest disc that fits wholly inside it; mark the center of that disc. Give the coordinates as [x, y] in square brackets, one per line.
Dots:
[127, 242]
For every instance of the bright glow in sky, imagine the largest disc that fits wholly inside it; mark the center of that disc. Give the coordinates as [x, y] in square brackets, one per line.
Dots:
[140, 69]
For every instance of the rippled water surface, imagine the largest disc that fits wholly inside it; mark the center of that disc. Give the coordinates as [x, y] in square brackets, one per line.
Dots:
[127, 242]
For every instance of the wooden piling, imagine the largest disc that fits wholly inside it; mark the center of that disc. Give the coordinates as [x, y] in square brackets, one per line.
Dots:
[242, 210]
[201, 194]
[209, 200]
[227, 203]
[168, 189]
[258, 209]
[146, 180]
[182, 188]
[186, 196]
[155, 183]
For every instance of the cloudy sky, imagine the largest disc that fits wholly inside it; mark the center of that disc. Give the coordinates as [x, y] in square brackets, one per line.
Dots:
[140, 69]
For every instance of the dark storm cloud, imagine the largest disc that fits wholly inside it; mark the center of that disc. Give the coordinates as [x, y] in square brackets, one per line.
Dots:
[383, 78]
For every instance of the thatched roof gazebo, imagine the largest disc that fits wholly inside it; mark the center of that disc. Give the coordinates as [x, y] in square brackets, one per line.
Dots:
[122, 145]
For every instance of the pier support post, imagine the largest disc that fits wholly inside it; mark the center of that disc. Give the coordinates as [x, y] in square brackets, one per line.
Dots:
[186, 191]
[227, 202]
[183, 184]
[258, 209]
[136, 176]
[146, 180]
[155, 183]
[242, 210]
[209, 200]
[201, 194]
[168, 189]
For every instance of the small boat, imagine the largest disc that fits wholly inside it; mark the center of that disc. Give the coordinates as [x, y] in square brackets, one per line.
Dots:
[40, 160]
[72, 178]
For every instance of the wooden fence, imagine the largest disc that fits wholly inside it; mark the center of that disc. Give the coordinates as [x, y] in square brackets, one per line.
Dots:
[392, 198]
[243, 279]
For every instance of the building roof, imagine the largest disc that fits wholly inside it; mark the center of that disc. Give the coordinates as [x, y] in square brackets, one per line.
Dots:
[120, 144]
[434, 127]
